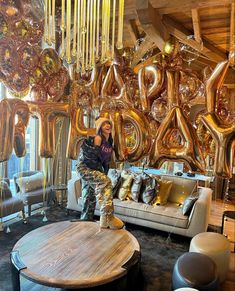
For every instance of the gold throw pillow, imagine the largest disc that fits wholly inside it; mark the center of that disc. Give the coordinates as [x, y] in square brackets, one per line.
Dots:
[163, 192]
[124, 191]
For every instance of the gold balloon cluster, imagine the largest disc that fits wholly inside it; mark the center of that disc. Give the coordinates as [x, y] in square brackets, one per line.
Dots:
[175, 138]
[21, 29]
[148, 104]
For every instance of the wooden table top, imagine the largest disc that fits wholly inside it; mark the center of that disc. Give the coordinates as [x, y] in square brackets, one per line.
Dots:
[75, 254]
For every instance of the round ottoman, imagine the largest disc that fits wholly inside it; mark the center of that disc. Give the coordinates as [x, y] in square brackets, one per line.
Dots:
[216, 246]
[195, 270]
[186, 289]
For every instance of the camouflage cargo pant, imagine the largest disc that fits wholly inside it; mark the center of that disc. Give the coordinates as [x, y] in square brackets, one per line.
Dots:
[95, 185]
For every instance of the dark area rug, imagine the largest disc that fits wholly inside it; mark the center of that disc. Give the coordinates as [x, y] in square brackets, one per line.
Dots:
[159, 250]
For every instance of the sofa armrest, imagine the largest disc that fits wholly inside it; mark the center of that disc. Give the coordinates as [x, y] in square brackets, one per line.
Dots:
[200, 214]
[74, 192]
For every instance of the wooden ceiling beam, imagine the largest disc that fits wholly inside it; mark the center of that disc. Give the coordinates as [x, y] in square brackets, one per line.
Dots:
[180, 32]
[151, 23]
[133, 30]
[144, 47]
[196, 25]
[174, 6]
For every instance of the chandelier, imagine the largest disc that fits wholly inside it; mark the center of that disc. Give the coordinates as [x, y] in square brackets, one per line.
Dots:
[88, 33]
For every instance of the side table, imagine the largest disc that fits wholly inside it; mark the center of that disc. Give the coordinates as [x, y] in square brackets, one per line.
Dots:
[227, 214]
[63, 189]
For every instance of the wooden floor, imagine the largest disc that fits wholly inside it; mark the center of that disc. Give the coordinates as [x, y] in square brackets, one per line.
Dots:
[217, 209]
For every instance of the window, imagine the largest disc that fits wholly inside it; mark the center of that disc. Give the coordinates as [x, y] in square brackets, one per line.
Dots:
[27, 162]
[74, 163]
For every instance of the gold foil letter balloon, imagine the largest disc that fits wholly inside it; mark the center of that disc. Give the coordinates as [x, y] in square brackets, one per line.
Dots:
[142, 142]
[47, 112]
[150, 79]
[114, 87]
[188, 152]
[22, 112]
[11, 134]
[77, 129]
[223, 134]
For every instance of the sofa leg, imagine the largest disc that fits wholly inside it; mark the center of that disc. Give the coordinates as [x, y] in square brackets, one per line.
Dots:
[67, 211]
[24, 216]
[29, 210]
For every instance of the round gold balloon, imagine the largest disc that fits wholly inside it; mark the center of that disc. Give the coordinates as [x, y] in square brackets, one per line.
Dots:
[8, 56]
[38, 93]
[28, 57]
[38, 76]
[55, 88]
[11, 10]
[4, 26]
[21, 31]
[18, 81]
[50, 61]
[159, 109]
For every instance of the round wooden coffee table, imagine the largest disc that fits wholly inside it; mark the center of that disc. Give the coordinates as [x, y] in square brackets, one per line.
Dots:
[74, 255]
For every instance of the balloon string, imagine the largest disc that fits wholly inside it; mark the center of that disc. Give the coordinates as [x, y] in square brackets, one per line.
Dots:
[1, 192]
[58, 142]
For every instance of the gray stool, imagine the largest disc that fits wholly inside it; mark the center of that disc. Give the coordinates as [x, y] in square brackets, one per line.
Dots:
[195, 270]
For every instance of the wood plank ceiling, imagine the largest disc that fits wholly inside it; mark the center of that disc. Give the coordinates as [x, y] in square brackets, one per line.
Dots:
[210, 21]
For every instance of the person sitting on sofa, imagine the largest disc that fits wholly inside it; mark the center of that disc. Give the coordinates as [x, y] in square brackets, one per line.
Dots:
[93, 166]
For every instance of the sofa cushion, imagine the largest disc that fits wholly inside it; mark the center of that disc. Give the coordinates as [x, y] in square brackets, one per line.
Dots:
[163, 192]
[10, 205]
[125, 188]
[5, 191]
[136, 187]
[169, 214]
[37, 195]
[181, 188]
[149, 188]
[188, 204]
[30, 183]
[115, 177]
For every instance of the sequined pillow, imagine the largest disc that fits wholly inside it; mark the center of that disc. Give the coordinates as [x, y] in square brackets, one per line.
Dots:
[188, 203]
[149, 188]
[115, 177]
[136, 187]
[125, 188]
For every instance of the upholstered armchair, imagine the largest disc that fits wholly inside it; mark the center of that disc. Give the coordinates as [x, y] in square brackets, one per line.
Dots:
[9, 204]
[32, 188]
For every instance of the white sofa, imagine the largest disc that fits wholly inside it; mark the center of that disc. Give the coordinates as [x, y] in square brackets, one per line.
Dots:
[167, 218]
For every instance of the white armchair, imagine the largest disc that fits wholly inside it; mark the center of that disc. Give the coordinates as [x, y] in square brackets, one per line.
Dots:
[74, 192]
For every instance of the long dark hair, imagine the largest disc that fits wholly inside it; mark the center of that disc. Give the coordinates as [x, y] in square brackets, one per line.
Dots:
[110, 139]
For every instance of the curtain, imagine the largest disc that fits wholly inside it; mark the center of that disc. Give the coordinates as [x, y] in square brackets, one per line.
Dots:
[58, 168]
